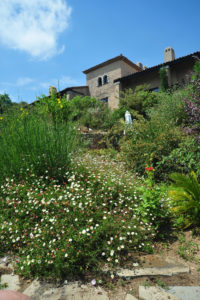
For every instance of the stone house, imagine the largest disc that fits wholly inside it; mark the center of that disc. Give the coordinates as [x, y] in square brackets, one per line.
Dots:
[105, 80]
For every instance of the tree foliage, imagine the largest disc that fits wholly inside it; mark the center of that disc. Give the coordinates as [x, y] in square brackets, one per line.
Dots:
[164, 79]
[5, 102]
[138, 101]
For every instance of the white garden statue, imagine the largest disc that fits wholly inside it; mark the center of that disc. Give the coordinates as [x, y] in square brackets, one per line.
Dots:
[128, 120]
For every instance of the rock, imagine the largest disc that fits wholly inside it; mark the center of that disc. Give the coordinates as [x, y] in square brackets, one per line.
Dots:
[130, 297]
[33, 290]
[154, 293]
[52, 294]
[74, 292]
[11, 295]
[5, 269]
[160, 267]
[12, 282]
[185, 292]
[161, 271]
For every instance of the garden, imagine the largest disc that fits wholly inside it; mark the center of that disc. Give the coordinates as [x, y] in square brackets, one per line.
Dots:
[67, 211]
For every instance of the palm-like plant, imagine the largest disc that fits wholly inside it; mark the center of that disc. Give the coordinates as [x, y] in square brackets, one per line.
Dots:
[185, 199]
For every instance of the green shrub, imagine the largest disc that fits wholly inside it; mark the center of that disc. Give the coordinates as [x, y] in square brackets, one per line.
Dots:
[153, 138]
[183, 159]
[185, 199]
[115, 134]
[67, 230]
[138, 101]
[147, 142]
[170, 107]
[153, 203]
[82, 111]
[5, 102]
[164, 79]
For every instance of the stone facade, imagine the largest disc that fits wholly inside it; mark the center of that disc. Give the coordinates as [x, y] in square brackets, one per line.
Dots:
[179, 72]
[71, 92]
[108, 91]
[106, 80]
[169, 54]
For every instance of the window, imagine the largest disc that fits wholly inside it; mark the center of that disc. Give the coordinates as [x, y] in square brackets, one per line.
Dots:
[102, 80]
[105, 79]
[99, 81]
[105, 100]
[156, 89]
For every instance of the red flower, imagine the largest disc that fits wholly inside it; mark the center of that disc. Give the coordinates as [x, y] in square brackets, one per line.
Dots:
[149, 169]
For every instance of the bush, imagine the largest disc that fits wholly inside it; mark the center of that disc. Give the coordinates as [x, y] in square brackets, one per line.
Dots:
[139, 101]
[164, 79]
[32, 141]
[185, 199]
[153, 203]
[147, 142]
[170, 107]
[192, 109]
[154, 137]
[70, 229]
[81, 111]
[115, 134]
[5, 102]
[183, 159]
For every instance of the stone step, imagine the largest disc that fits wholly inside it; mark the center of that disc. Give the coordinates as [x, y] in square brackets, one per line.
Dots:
[185, 292]
[155, 293]
[168, 268]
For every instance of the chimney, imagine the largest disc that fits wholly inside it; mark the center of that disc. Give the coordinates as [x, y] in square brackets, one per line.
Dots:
[139, 64]
[52, 90]
[169, 54]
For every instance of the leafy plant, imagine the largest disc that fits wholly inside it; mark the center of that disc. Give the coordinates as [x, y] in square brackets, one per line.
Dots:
[152, 204]
[81, 111]
[188, 250]
[192, 104]
[164, 79]
[33, 141]
[5, 102]
[162, 284]
[3, 285]
[185, 199]
[71, 228]
[148, 142]
[183, 159]
[138, 101]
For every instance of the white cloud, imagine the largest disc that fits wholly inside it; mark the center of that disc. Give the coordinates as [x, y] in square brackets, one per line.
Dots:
[34, 25]
[22, 81]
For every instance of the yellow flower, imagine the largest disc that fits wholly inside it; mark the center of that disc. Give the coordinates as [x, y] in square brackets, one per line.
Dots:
[1, 118]
[61, 106]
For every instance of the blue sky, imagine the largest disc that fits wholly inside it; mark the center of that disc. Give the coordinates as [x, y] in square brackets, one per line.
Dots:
[50, 42]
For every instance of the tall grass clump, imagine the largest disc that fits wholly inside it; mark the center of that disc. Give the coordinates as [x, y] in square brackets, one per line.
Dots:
[33, 141]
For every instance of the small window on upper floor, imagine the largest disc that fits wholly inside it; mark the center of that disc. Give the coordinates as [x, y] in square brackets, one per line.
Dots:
[99, 81]
[105, 79]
